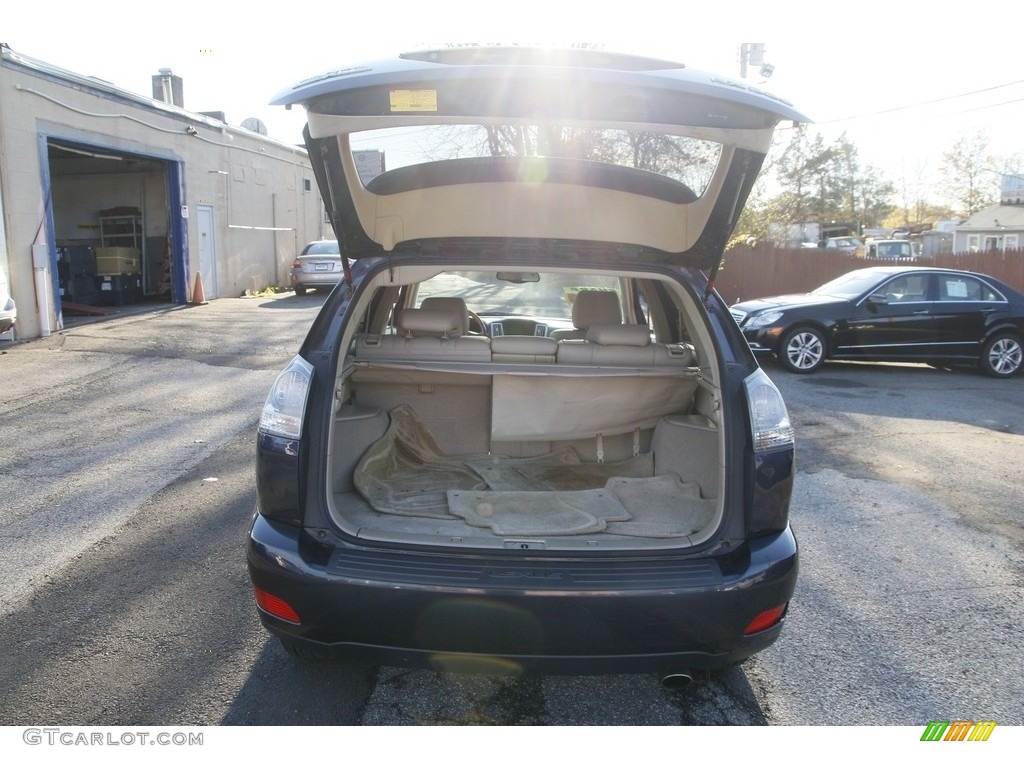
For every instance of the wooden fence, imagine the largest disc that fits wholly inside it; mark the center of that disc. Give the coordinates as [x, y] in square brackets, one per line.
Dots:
[751, 273]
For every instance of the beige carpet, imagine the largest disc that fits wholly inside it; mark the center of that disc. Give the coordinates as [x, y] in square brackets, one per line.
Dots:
[556, 494]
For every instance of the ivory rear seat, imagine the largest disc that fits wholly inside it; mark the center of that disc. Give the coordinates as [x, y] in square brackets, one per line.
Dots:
[575, 403]
[588, 309]
[454, 406]
[523, 349]
[631, 382]
[424, 334]
[628, 345]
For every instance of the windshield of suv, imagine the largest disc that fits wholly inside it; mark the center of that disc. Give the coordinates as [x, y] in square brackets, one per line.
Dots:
[502, 294]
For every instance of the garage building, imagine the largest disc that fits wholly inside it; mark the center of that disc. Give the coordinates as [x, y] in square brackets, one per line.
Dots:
[110, 198]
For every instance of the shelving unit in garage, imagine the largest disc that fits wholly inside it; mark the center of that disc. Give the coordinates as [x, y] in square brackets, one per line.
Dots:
[122, 229]
[121, 258]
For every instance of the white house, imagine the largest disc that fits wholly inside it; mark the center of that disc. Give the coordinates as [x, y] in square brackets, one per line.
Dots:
[998, 227]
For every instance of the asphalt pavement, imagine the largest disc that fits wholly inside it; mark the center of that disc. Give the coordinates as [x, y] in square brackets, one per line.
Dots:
[128, 455]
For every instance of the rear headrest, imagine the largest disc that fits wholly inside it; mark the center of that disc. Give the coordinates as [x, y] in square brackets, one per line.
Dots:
[595, 308]
[620, 335]
[429, 322]
[449, 304]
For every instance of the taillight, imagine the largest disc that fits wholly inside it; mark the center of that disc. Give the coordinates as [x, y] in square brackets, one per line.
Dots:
[769, 419]
[772, 468]
[296, 264]
[286, 404]
[766, 619]
[275, 606]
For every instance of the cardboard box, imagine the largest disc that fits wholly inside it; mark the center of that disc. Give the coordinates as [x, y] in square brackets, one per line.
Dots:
[118, 261]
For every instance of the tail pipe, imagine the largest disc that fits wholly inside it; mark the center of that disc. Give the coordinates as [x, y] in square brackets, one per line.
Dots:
[675, 681]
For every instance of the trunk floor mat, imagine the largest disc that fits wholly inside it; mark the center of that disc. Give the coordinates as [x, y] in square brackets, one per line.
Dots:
[558, 471]
[542, 513]
[661, 506]
[407, 473]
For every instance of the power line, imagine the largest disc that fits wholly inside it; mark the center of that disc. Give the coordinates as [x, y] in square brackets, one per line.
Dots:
[930, 101]
[989, 106]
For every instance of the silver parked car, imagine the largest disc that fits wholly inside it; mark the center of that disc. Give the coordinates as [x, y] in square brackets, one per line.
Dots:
[318, 266]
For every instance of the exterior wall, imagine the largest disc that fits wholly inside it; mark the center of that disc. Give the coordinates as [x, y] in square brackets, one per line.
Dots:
[256, 185]
[264, 216]
[998, 228]
[23, 202]
[981, 240]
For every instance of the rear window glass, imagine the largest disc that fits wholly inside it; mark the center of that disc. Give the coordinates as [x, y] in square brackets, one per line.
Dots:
[326, 247]
[685, 160]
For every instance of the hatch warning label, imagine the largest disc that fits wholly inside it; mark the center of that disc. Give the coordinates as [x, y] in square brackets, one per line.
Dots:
[414, 101]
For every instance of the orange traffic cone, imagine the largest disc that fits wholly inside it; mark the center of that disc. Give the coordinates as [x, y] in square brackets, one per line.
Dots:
[198, 297]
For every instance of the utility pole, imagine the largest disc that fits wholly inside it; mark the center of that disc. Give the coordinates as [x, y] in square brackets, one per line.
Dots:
[752, 54]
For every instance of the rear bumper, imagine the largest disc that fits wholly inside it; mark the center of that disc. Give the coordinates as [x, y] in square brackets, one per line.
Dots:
[492, 613]
[316, 279]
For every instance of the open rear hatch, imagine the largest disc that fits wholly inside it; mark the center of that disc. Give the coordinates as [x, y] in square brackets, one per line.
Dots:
[545, 91]
[584, 167]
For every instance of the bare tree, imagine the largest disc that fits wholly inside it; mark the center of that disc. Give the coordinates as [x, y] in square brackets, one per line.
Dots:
[967, 168]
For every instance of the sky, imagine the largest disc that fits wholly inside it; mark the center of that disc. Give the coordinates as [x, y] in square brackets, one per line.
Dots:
[903, 80]
[902, 83]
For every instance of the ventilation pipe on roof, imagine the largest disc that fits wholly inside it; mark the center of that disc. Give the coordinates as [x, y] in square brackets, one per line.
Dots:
[167, 87]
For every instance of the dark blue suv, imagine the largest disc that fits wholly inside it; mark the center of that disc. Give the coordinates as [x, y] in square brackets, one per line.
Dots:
[524, 434]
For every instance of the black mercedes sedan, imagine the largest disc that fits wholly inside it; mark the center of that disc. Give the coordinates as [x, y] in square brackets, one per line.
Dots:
[900, 314]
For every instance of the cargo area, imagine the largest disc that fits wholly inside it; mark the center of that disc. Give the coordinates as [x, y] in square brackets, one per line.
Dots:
[607, 441]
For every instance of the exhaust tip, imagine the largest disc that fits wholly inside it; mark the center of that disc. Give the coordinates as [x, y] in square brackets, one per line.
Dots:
[675, 681]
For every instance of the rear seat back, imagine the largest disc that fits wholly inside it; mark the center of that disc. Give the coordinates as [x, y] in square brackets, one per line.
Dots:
[628, 345]
[429, 323]
[449, 304]
[591, 308]
[523, 349]
[435, 334]
[425, 334]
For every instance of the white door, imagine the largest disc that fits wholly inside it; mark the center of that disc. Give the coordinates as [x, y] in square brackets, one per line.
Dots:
[207, 250]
